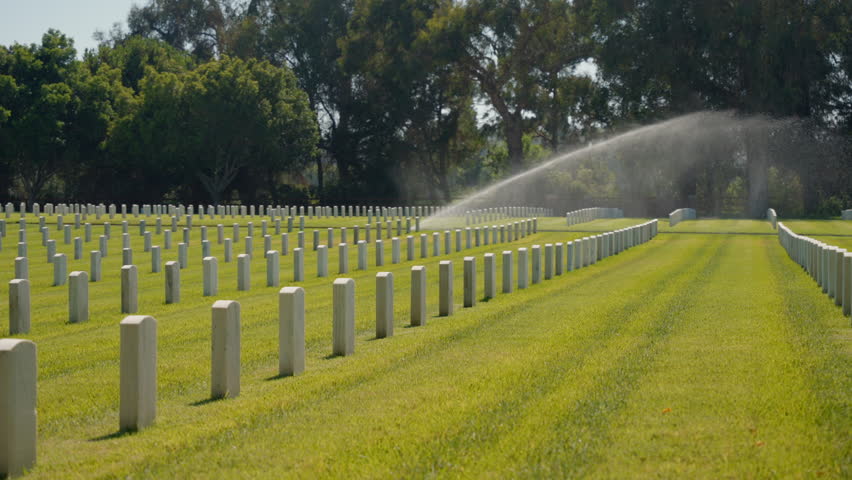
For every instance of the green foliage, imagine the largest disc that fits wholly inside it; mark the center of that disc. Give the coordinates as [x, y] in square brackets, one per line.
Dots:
[135, 56]
[512, 50]
[772, 57]
[421, 100]
[733, 201]
[39, 111]
[587, 180]
[196, 26]
[210, 125]
[785, 193]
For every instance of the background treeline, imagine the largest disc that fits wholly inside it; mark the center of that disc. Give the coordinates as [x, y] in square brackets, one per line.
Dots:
[420, 101]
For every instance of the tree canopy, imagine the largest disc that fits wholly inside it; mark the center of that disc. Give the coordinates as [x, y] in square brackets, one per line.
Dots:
[423, 100]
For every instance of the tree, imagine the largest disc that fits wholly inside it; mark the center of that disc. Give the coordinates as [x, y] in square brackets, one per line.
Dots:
[132, 56]
[780, 57]
[195, 26]
[303, 35]
[424, 105]
[37, 109]
[506, 46]
[215, 122]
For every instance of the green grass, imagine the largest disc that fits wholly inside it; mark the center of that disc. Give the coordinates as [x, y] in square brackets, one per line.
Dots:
[820, 227]
[717, 225]
[691, 356]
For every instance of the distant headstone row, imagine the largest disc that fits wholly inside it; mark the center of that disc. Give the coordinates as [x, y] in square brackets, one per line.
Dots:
[846, 214]
[592, 213]
[277, 211]
[680, 215]
[829, 266]
[138, 334]
[483, 215]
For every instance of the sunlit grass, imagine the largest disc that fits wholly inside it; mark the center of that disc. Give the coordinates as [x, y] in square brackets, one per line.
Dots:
[691, 356]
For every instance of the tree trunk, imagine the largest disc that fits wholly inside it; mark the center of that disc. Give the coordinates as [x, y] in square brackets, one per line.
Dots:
[514, 142]
[320, 180]
[554, 116]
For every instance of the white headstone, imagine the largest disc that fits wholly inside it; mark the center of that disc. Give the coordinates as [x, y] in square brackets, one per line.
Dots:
[536, 263]
[172, 282]
[273, 268]
[129, 285]
[384, 304]
[298, 265]
[418, 295]
[78, 297]
[362, 255]
[210, 274]
[138, 392]
[95, 265]
[523, 268]
[559, 258]
[322, 261]
[380, 252]
[126, 256]
[344, 317]
[225, 361]
[508, 274]
[243, 272]
[22, 270]
[395, 250]
[343, 258]
[469, 282]
[19, 306]
[183, 254]
[291, 331]
[445, 288]
[60, 269]
[18, 417]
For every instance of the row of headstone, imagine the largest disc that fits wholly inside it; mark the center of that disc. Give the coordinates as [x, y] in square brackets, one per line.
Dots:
[483, 215]
[772, 217]
[138, 334]
[274, 212]
[846, 214]
[592, 213]
[222, 211]
[19, 288]
[828, 265]
[680, 215]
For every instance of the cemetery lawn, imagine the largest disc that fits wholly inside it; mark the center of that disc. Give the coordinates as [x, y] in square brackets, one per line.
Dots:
[717, 225]
[813, 228]
[691, 356]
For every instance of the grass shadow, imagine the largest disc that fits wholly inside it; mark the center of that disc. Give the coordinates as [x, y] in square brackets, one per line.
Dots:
[110, 436]
[278, 376]
[200, 403]
[373, 339]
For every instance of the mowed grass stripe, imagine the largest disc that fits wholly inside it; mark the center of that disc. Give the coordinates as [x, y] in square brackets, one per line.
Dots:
[427, 388]
[562, 431]
[728, 395]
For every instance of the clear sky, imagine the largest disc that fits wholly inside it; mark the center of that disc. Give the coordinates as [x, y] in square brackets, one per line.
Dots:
[25, 21]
